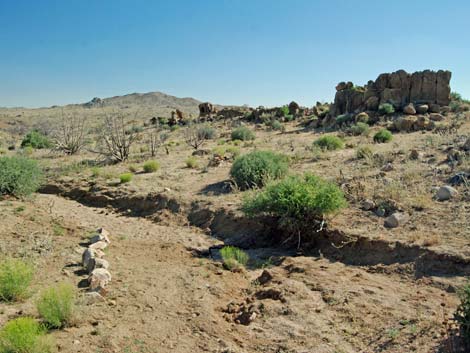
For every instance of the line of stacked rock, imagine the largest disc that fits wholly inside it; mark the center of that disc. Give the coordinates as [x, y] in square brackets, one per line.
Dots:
[430, 88]
[96, 266]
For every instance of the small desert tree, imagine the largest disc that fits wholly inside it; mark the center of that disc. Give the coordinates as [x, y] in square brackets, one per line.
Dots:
[69, 137]
[193, 136]
[115, 138]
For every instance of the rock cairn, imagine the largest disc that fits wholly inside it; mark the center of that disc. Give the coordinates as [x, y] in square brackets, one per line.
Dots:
[96, 266]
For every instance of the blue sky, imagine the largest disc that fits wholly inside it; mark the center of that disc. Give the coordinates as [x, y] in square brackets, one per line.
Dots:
[257, 52]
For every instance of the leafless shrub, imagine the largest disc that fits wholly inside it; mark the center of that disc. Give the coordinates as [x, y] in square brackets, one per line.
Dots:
[155, 139]
[193, 136]
[116, 138]
[69, 137]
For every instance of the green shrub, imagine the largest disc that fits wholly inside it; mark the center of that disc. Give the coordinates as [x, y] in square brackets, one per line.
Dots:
[329, 142]
[15, 278]
[284, 110]
[133, 168]
[36, 140]
[19, 176]
[386, 108]
[243, 133]
[276, 125]
[364, 152]
[192, 162]
[125, 177]
[343, 118]
[297, 199]
[56, 305]
[206, 133]
[462, 314]
[95, 172]
[256, 168]
[151, 166]
[233, 257]
[26, 151]
[360, 129]
[382, 136]
[289, 117]
[24, 335]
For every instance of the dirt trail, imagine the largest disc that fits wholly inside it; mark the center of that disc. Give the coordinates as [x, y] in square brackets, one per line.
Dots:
[163, 298]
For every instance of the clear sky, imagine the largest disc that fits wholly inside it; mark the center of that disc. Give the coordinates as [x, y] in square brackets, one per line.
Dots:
[256, 52]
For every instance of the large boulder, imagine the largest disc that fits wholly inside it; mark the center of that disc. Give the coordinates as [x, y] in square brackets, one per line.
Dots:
[206, 109]
[405, 123]
[409, 109]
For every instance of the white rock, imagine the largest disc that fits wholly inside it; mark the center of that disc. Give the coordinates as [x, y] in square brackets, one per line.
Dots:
[396, 219]
[95, 263]
[100, 245]
[446, 192]
[99, 279]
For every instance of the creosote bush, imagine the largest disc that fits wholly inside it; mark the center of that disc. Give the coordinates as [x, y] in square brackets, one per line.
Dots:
[243, 133]
[125, 177]
[329, 142]
[19, 176]
[256, 168]
[360, 129]
[151, 166]
[382, 136]
[233, 257]
[192, 162]
[207, 133]
[24, 335]
[36, 140]
[386, 108]
[296, 200]
[56, 305]
[15, 278]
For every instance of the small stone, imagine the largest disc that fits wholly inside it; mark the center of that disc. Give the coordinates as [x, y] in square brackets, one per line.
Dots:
[415, 154]
[93, 298]
[265, 277]
[387, 167]
[99, 279]
[367, 205]
[446, 192]
[409, 109]
[396, 219]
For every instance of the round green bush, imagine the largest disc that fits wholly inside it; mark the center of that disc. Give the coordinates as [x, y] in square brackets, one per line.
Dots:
[359, 129]
[36, 140]
[125, 177]
[301, 198]
[206, 133]
[24, 335]
[15, 278]
[151, 166]
[364, 152]
[386, 108]
[56, 305]
[256, 168]
[382, 136]
[19, 176]
[243, 133]
[329, 142]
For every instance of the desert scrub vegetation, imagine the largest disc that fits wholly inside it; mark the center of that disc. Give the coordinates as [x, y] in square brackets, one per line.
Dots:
[15, 278]
[69, 137]
[56, 305]
[233, 257]
[462, 314]
[256, 168]
[192, 162]
[24, 335]
[19, 176]
[242, 133]
[36, 140]
[329, 142]
[386, 108]
[364, 152]
[207, 133]
[115, 138]
[383, 136]
[125, 177]
[359, 129]
[151, 166]
[297, 201]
